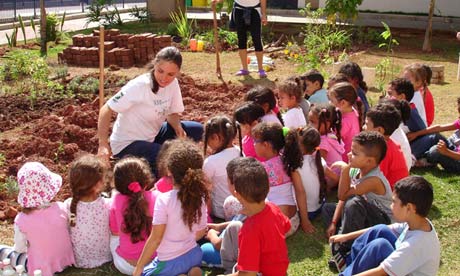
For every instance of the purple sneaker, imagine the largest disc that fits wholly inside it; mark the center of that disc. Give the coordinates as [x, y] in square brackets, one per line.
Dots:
[242, 72]
[262, 74]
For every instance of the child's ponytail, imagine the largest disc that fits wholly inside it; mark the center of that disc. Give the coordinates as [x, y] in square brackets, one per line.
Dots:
[337, 123]
[223, 127]
[185, 163]
[321, 176]
[292, 156]
[131, 176]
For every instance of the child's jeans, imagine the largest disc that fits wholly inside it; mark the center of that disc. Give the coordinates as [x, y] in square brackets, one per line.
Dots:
[370, 249]
[16, 258]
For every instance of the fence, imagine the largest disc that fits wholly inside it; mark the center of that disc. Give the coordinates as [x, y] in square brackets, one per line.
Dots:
[11, 9]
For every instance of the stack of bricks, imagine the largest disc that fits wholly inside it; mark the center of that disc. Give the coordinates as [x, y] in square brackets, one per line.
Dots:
[438, 74]
[124, 50]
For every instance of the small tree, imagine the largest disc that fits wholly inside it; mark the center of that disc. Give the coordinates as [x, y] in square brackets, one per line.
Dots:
[345, 9]
[43, 48]
[429, 28]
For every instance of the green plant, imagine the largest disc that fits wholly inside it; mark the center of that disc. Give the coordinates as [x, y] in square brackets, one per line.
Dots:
[112, 17]
[142, 14]
[183, 26]
[61, 72]
[51, 24]
[12, 40]
[23, 64]
[2, 159]
[345, 9]
[227, 3]
[59, 151]
[321, 39]
[32, 24]
[9, 187]
[21, 24]
[385, 70]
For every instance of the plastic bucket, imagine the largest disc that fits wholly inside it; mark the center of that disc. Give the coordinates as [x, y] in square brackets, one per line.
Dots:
[199, 3]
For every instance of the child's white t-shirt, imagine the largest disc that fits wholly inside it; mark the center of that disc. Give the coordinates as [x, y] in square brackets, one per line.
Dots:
[215, 168]
[141, 112]
[310, 181]
[294, 118]
[177, 238]
[418, 101]
[417, 252]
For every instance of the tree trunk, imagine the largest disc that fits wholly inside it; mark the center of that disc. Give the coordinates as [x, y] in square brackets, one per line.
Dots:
[429, 29]
[43, 50]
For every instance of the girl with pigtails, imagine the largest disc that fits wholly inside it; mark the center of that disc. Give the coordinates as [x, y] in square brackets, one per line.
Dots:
[179, 218]
[219, 133]
[131, 212]
[89, 212]
[283, 158]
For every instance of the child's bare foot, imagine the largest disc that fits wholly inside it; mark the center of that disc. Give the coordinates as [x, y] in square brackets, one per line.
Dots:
[196, 271]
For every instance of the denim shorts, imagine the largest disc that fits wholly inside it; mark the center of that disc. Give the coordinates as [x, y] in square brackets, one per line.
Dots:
[179, 265]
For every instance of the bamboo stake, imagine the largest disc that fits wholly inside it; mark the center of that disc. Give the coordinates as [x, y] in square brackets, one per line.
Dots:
[458, 67]
[101, 66]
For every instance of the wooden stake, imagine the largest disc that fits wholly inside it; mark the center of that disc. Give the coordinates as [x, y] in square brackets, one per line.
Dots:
[101, 66]
[458, 67]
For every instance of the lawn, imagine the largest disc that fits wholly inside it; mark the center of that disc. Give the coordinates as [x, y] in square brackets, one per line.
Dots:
[309, 253]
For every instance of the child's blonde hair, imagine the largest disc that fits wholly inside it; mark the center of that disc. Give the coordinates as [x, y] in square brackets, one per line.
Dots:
[84, 174]
[418, 71]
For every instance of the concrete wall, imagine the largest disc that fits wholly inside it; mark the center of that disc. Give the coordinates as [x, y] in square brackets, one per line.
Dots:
[445, 7]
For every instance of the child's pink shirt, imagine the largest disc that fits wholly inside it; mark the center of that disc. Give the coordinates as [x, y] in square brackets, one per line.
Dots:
[164, 184]
[127, 249]
[248, 148]
[335, 150]
[350, 127]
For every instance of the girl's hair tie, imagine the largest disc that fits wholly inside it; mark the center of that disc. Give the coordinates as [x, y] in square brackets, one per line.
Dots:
[323, 110]
[276, 109]
[134, 187]
[228, 125]
[317, 148]
[72, 218]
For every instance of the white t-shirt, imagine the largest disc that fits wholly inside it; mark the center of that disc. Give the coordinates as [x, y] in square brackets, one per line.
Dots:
[309, 175]
[177, 238]
[247, 3]
[270, 117]
[418, 101]
[141, 112]
[215, 168]
[294, 118]
[400, 137]
[417, 252]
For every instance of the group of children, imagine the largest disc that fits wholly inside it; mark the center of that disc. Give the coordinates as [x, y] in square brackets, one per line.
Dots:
[321, 140]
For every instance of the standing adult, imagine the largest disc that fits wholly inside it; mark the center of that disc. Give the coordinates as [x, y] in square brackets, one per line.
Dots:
[142, 106]
[249, 15]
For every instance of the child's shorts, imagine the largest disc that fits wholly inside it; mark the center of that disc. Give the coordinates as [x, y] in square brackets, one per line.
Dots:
[179, 265]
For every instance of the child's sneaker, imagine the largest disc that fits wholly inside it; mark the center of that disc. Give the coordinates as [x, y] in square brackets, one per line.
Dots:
[262, 74]
[339, 257]
[242, 72]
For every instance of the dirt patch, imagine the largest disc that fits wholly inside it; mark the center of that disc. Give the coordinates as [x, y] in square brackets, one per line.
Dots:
[56, 132]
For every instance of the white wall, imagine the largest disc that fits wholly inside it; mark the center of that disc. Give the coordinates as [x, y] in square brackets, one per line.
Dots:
[445, 7]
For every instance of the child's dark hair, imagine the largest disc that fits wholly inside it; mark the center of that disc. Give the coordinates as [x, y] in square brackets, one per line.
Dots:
[346, 91]
[249, 178]
[403, 86]
[263, 95]
[84, 174]
[170, 54]
[313, 76]
[385, 116]
[273, 133]
[416, 190]
[353, 71]
[292, 88]
[137, 220]
[247, 113]
[337, 78]
[328, 113]
[401, 105]
[185, 164]
[374, 144]
[222, 126]
[310, 140]
[429, 74]
[162, 158]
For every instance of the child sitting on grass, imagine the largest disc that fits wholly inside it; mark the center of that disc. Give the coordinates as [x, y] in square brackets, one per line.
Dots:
[261, 245]
[314, 81]
[385, 119]
[290, 96]
[408, 247]
[364, 193]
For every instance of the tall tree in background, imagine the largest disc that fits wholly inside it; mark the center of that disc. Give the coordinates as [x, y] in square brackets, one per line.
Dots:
[429, 29]
[43, 50]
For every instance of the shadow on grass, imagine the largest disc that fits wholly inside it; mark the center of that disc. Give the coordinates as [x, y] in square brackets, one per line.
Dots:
[250, 80]
[307, 246]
